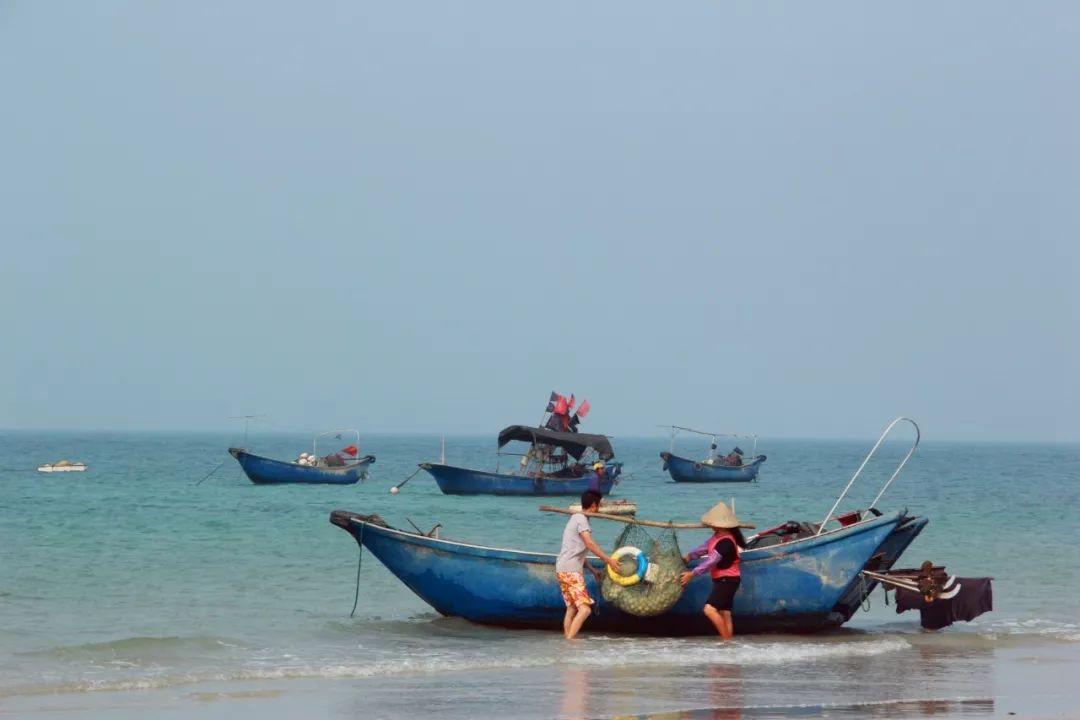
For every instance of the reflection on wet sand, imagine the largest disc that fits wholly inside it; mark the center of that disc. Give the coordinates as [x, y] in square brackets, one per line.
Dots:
[575, 692]
[724, 692]
[724, 696]
[980, 708]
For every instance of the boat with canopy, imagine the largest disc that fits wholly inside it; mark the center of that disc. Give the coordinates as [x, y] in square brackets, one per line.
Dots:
[558, 460]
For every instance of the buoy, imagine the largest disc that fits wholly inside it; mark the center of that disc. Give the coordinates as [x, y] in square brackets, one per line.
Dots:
[394, 490]
[639, 573]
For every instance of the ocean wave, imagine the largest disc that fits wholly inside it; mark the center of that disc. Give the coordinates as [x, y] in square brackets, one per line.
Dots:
[598, 652]
[988, 632]
[140, 647]
[1029, 628]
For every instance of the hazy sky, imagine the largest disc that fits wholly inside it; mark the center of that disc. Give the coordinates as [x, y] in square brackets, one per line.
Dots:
[796, 219]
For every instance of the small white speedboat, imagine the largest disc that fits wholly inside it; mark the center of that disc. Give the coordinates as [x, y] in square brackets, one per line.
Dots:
[62, 466]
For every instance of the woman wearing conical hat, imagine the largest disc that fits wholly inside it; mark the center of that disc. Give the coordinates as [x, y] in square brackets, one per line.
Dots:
[721, 553]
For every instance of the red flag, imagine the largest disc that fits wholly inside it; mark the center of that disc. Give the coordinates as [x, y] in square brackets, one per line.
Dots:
[351, 450]
[570, 406]
[583, 410]
[560, 406]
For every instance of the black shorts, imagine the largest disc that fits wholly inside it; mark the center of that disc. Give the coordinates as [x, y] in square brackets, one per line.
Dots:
[723, 593]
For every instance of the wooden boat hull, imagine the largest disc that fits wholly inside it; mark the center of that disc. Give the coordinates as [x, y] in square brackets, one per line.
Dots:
[793, 587]
[684, 470]
[461, 481]
[267, 471]
[75, 467]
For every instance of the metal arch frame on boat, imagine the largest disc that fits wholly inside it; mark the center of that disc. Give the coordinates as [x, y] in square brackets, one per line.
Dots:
[884, 434]
[676, 429]
[315, 440]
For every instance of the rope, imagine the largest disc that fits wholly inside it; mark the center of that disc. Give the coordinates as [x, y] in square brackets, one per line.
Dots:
[211, 472]
[864, 593]
[359, 564]
[398, 486]
[630, 475]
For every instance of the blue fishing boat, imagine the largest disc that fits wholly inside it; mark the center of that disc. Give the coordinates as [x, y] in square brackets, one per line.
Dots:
[556, 463]
[343, 467]
[712, 468]
[794, 586]
[797, 577]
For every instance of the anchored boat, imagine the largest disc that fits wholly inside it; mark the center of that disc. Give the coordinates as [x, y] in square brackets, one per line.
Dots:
[713, 468]
[343, 467]
[559, 460]
[798, 576]
[556, 463]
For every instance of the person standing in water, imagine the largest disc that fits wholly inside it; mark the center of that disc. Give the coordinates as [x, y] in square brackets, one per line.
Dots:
[721, 553]
[570, 565]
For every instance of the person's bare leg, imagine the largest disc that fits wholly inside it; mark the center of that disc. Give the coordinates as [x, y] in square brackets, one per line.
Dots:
[715, 618]
[583, 612]
[567, 619]
[728, 627]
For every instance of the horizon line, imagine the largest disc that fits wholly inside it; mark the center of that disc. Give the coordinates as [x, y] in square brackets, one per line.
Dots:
[477, 434]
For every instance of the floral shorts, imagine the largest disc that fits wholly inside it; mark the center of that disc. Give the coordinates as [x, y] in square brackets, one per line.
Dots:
[573, 589]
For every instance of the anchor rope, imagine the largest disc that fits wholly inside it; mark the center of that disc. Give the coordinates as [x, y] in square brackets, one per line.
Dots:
[359, 564]
[864, 593]
[211, 472]
[408, 478]
[630, 475]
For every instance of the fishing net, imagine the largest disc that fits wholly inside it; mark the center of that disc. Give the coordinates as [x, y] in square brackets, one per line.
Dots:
[661, 589]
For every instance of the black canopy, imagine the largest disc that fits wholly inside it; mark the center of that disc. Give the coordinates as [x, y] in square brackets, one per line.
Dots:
[575, 443]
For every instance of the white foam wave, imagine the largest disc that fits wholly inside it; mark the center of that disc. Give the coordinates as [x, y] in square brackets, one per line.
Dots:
[1069, 632]
[599, 651]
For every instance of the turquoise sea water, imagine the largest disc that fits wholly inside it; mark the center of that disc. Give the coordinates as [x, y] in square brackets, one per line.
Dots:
[135, 576]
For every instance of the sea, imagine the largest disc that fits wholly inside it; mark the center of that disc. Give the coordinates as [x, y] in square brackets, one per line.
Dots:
[162, 583]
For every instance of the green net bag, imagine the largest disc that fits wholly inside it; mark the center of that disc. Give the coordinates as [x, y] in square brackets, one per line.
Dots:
[661, 589]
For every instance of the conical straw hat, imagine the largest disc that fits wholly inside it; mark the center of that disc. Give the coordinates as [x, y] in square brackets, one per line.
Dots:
[720, 516]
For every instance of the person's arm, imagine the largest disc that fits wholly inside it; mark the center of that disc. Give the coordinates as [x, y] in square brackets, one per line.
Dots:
[586, 537]
[697, 552]
[711, 560]
[724, 548]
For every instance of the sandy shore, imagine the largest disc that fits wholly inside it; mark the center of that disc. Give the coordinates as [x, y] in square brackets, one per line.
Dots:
[1024, 685]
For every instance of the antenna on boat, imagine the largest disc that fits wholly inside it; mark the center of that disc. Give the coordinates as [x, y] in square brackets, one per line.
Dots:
[247, 419]
[442, 453]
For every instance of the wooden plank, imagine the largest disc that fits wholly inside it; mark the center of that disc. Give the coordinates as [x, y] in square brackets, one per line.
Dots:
[630, 521]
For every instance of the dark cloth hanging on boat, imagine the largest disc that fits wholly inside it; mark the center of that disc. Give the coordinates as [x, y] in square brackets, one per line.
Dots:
[575, 444]
[972, 598]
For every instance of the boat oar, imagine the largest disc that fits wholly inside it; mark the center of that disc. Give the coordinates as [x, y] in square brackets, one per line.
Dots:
[629, 521]
[394, 490]
[902, 583]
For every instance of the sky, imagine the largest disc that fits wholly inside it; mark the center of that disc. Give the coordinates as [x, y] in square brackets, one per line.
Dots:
[791, 219]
